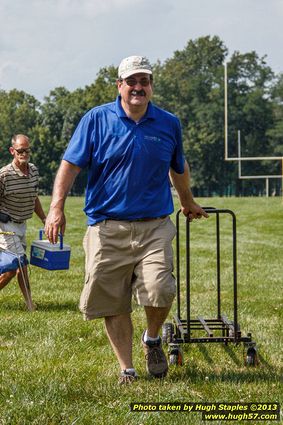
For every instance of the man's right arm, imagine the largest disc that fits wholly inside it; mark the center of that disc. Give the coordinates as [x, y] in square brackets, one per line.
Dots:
[55, 221]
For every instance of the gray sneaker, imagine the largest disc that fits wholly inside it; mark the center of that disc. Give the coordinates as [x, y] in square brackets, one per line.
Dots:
[156, 362]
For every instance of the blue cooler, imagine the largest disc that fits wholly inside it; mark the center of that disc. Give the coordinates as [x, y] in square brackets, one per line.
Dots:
[50, 256]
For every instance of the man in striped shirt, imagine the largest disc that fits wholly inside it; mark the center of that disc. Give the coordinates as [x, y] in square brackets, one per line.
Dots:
[18, 200]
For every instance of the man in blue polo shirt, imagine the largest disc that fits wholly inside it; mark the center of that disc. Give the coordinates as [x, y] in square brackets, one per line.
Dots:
[132, 149]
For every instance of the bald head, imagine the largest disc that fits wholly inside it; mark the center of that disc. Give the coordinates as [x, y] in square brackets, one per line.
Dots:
[20, 150]
[19, 138]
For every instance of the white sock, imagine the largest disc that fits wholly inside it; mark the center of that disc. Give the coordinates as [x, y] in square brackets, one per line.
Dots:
[130, 370]
[149, 338]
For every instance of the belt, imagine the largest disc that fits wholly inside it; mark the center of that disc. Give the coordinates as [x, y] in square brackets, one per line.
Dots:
[140, 219]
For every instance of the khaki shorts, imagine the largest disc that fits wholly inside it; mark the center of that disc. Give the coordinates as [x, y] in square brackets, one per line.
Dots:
[14, 243]
[125, 258]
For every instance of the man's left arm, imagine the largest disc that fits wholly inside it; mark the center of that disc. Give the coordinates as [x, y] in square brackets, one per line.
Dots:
[39, 210]
[181, 182]
[2, 186]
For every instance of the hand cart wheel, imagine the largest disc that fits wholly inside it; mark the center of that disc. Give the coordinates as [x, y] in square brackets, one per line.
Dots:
[175, 355]
[167, 332]
[251, 357]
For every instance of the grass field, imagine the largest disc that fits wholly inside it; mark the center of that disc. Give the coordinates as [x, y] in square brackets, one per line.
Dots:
[58, 369]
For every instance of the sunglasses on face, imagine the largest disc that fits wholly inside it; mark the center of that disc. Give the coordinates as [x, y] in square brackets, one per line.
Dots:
[144, 82]
[21, 151]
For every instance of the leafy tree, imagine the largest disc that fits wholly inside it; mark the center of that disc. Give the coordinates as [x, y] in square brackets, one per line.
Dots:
[190, 85]
[19, 113]
[250, 111]
[60, 114]
[249, 80]
[103, 89]
[275, 133]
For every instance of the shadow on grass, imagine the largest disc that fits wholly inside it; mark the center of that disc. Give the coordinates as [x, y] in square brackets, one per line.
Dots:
[207, 370]
[262, 361]
[264, 372]
[41, 306]
[206, 355]
[232, 355]
[60, 306]
[235, 376]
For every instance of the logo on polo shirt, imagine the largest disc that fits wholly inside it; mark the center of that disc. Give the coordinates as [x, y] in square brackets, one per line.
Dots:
[153, 138]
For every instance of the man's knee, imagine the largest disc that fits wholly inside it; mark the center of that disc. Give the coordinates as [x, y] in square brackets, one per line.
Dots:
[6, 277]
[20, 270]
[10, 274]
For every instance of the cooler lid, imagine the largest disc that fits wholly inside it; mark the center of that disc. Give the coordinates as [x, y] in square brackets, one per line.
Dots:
[44, 244]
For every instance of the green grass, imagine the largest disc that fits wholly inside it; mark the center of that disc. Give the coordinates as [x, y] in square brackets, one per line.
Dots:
[58, 369]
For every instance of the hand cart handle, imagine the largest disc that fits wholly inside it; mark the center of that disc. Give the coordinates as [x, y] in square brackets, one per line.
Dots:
[212, 210]
[41, 231]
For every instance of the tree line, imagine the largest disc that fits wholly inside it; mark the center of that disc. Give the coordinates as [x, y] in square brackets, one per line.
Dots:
[191, 85]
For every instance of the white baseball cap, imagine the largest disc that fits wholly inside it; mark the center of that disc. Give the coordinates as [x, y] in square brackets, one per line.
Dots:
[134, 65]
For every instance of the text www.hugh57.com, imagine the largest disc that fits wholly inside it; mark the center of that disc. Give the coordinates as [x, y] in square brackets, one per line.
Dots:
[240, 416]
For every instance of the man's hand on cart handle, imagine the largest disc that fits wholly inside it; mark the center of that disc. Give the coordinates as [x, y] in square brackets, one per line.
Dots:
[55, 223]
[194, 211]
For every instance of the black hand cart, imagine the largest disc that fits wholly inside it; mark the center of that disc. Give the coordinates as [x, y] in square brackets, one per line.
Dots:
[205, 330]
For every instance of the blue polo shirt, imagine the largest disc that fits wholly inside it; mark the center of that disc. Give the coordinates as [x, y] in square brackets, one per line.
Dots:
[128, 162]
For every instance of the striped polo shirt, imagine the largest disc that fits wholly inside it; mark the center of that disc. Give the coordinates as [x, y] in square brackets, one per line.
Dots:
[18, 192]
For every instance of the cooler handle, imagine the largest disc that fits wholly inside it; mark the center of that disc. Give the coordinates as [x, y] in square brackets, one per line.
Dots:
[41, 231]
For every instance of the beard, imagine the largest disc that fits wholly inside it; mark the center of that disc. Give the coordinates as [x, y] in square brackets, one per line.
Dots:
[23, 161]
